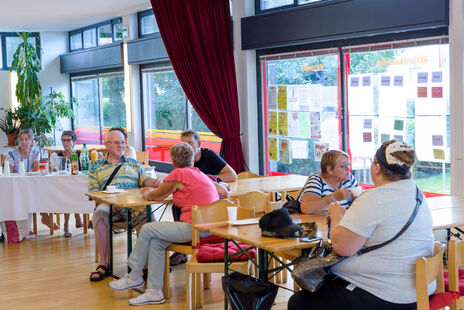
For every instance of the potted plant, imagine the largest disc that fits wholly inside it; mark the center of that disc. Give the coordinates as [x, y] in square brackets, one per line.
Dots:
[40, 114]
[10, 125]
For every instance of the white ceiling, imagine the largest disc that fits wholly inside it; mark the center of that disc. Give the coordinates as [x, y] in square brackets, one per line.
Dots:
[62, 15]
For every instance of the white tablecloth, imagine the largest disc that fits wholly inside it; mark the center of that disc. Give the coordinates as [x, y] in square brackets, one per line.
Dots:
[22, 195]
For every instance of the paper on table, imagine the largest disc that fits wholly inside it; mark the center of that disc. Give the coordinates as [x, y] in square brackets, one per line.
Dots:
[244, 222]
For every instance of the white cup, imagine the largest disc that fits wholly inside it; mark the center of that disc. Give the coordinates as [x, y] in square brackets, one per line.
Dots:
[356, 191]
[111, 188]
[1, 170]
[232, 211]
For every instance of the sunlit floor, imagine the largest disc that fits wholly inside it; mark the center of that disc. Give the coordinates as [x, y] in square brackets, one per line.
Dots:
[53, 272]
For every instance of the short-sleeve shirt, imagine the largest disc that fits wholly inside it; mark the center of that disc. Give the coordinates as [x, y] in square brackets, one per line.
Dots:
[14, 157]
[210, 162]
[198, 190]
[316, 185]
[130, 175]
[378, 214]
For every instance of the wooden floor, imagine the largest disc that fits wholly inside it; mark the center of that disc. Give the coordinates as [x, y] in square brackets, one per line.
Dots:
[53, 272]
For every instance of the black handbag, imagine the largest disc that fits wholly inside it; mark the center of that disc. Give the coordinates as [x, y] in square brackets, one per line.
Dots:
[293, 205]
[310, 273]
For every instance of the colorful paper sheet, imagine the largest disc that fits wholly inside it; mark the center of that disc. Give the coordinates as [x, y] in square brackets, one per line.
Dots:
[272, 125]
[285, 151]
[282, 98]
[304, 125]
[272, 149]
[272, 97]
[319, 150]
[293, 125]
[283, 124]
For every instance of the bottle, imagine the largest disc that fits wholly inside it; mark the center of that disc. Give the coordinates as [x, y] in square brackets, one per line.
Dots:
[93, 156]
[74, 164]
[6, 168]
[85, 160]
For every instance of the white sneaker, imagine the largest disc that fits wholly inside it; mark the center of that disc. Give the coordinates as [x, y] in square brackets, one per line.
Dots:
[126, 283]
[150, 297]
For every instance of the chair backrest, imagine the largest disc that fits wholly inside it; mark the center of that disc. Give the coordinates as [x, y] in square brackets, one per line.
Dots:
[255, 199]
[294, 194]
[142, 157]
[429, 269]
[248, 175]
[216, 212]
[455, 260]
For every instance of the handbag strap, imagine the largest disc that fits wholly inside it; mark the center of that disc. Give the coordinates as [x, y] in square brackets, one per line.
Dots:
[419, 199]
[111, 177]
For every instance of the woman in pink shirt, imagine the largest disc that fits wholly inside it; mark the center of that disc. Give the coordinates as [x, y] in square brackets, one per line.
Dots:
[189, 187]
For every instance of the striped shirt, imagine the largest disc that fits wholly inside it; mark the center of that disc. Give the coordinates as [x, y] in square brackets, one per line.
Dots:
[14, 157]
[316, 185]
[131, 174]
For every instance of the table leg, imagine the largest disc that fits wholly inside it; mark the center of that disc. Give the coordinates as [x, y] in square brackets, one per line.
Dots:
[110, 233]
[50, 222]
[148, 213]
[129, 235]
[226, 269]
[263, 265]
[86, 222]
[34, 221]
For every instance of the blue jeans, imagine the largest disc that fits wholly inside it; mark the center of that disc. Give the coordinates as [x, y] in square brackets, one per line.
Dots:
[151, 246]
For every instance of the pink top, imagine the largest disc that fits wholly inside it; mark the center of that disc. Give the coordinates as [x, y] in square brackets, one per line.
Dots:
[199, 190]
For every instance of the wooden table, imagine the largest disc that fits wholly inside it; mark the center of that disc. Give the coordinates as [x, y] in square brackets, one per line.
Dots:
[130, 200]
[275, 184]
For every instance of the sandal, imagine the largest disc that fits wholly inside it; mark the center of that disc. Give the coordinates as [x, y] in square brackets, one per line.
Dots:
[101, 275]
[67, 233]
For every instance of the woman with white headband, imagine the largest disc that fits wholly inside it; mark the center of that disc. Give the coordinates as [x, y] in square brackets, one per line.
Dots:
[383, 278]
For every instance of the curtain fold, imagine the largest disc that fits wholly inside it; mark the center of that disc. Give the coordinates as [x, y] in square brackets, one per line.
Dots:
[198, 38]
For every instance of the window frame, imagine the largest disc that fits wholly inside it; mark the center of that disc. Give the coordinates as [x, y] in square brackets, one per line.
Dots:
[295, 4]
[4, 35]
[111, 23]
[140, 15]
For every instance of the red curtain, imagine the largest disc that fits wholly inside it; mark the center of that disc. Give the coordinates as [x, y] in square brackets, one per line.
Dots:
[198, 38]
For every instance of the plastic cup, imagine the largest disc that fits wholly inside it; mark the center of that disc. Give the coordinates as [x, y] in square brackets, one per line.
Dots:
[232, 211]
[356, 191]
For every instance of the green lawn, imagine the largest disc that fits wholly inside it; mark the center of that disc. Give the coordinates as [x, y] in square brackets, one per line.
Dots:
[434, 184]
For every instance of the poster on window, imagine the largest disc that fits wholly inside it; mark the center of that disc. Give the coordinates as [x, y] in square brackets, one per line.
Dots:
[361, 99]
[272, 123]
[430, 133]
[292, 98]
[315, 132]
[393, 98]
[319, 150]
[304, 125]
[285, 151]
[283, 124]
[304, 94]
[282, 97]
[272, 149]
[272, 97]
[299, 149]
[293, 125]
[316, 97]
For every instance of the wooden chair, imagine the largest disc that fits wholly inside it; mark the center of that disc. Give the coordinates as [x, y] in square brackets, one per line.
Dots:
[248, 175]
[455, 260]
[185, 248]
[142, 157]
[256, 199]
[209, 214]
[429, 269]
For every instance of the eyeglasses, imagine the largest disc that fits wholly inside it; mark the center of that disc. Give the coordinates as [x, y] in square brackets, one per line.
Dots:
[66, 140]
[117, 142]
[346, 166]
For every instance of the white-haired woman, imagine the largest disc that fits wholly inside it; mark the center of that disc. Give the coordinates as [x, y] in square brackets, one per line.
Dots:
[189, 187]
[383, 278]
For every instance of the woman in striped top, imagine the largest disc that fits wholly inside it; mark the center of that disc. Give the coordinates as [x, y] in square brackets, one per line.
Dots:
[332, 183]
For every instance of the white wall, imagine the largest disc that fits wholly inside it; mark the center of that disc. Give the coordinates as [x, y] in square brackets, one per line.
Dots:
[4, 103]
[53, 45]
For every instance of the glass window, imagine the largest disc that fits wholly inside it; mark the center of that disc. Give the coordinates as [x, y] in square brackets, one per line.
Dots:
[12, 44]
[105, 35]
[301, 100]
[168, 112]
[148, 24]
[1, 55]
[76, 41]
[269, 4]
[401, 94]
[87, 112]
[112, 99]
[100, 106]
[117, 32]
[307, 1]
[90, 38]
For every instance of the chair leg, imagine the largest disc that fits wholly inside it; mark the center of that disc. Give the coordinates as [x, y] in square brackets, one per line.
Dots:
[197, 290]
[188, 296]
[86, 222]
[50, 222]
[296, 288]
[284, 272]
[206, 280]
[167, 279]
[34, 223]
